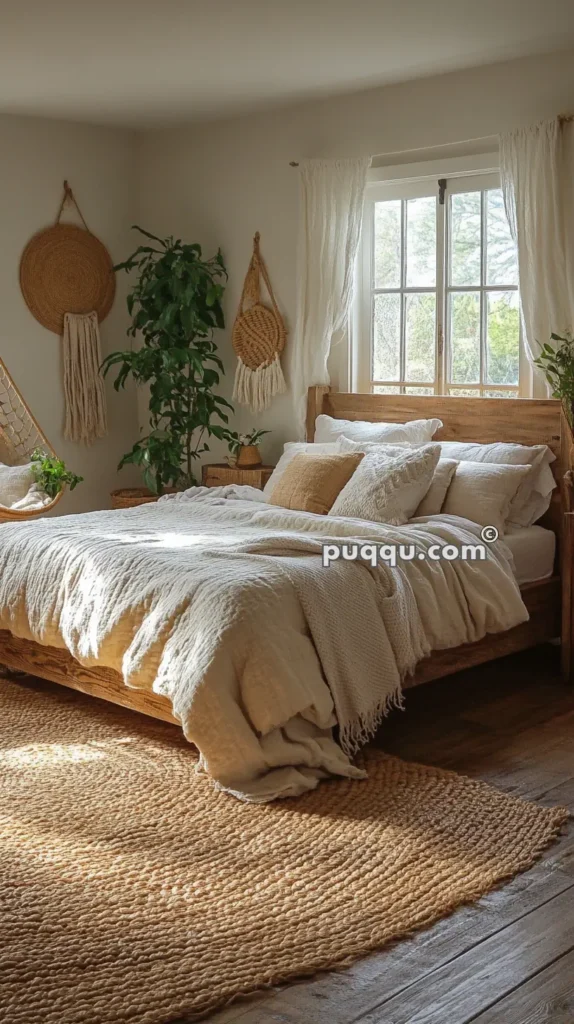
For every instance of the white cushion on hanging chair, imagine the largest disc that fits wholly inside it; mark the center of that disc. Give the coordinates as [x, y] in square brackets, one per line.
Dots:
[34, 499]
[15, 484]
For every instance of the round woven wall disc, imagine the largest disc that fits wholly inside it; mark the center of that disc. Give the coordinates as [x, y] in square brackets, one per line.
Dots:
[258, 336]
[66, 269]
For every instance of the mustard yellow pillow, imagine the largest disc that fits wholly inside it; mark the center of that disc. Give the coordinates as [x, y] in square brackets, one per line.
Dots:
[311, 483]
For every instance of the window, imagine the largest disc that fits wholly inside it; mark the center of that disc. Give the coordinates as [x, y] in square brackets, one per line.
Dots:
[439, 292]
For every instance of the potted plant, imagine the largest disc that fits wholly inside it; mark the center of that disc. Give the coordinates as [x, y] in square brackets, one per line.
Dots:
[557, 365]
[175, 307]
[51, 475]
[244, 448]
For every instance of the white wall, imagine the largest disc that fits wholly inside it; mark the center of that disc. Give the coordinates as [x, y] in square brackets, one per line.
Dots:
[220, 182]
[36, 156]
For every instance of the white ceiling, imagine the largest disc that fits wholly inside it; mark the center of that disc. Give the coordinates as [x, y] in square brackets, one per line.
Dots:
[145, 62]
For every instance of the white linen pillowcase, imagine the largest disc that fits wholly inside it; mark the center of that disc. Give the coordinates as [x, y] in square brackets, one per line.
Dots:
[376, 489]
[433, 501]
[15, 482]
[411, 492]
[534, 494]
[483, 492]
[290, 450]
[329, 429]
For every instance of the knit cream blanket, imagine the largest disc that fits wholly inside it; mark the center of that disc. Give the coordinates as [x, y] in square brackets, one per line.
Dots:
[221, 603]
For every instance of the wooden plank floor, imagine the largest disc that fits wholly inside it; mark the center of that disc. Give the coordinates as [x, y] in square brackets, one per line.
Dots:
[509, 959]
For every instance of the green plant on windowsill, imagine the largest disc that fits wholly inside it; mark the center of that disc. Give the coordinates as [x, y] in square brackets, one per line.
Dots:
[51, 475]
[557, 365]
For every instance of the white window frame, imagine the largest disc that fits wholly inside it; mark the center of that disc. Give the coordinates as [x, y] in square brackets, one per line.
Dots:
[462, 175]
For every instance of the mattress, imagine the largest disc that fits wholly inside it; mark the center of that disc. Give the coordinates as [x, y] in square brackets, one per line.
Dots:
[533, 549]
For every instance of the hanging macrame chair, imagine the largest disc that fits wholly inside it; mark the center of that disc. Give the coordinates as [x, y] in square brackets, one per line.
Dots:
[20, 434]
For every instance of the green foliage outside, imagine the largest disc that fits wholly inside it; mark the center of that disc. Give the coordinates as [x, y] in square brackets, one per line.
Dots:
[502, 313]
[51, 475]
[175, 306]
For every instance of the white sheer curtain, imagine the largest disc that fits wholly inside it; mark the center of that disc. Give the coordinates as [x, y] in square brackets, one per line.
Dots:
[537, 172]
[332, 195]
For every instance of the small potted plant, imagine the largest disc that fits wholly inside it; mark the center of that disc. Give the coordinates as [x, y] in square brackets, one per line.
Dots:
[244, 448]
[51, 475]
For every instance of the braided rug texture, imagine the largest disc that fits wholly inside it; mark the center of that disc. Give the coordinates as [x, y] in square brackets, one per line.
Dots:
[132, 891]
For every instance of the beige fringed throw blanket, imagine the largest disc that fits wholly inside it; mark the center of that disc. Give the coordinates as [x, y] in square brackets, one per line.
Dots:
[221, 603]
[83, 385]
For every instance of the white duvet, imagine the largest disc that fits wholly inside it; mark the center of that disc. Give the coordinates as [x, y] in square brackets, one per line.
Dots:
[221, 603]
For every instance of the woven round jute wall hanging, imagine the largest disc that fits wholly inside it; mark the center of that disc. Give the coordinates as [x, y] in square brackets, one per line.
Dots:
[66, 269]
[258, 338]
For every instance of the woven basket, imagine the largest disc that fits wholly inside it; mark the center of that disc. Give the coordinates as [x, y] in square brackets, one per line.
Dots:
[248, 455]
[129, 497]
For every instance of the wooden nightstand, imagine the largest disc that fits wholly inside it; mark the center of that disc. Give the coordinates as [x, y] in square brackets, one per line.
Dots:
[217, 474]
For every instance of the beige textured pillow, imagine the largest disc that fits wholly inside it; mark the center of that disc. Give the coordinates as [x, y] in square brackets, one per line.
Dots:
[290, 450]
[379, 490]
[310, 483]
[409, 488]
[433, 500]
[483, 492]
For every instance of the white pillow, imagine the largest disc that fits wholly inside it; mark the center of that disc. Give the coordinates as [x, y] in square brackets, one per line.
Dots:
[290, 450]
[484, 492]
[534, 493]
[329, 429]
[15, 482]
[376, 490]
[433, 501]
[412, 492]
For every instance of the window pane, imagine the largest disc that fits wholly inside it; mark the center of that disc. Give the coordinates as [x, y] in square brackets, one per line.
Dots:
[501, 394]
[421, 242]
[419, 391]
[387, 243]
[420, 314]
[465, 338]
[464, 392]
[501, 264]
[503, 327]
[385, 389]
[465, 238]
[386, 337]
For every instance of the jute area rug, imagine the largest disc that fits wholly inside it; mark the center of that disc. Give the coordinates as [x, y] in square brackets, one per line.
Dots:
[130, 890]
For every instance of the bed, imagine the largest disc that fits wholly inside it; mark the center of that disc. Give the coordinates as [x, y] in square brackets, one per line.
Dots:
[548, 600]
[485, 420]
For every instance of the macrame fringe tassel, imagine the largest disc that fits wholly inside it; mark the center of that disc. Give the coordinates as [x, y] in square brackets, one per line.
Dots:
[256, 388]
[83, 385]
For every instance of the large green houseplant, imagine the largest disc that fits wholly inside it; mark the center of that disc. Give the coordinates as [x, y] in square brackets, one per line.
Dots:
[175, 307]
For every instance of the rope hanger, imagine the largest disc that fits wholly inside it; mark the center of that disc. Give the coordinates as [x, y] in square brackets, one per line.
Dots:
[69, 195]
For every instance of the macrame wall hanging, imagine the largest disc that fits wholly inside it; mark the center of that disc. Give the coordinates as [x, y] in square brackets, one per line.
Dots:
[258, 338]
[68, 283]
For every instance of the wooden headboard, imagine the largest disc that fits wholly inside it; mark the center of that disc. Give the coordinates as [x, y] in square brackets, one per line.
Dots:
[521, 420]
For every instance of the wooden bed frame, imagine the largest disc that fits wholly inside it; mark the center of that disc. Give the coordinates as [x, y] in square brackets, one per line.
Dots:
[485, 420]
